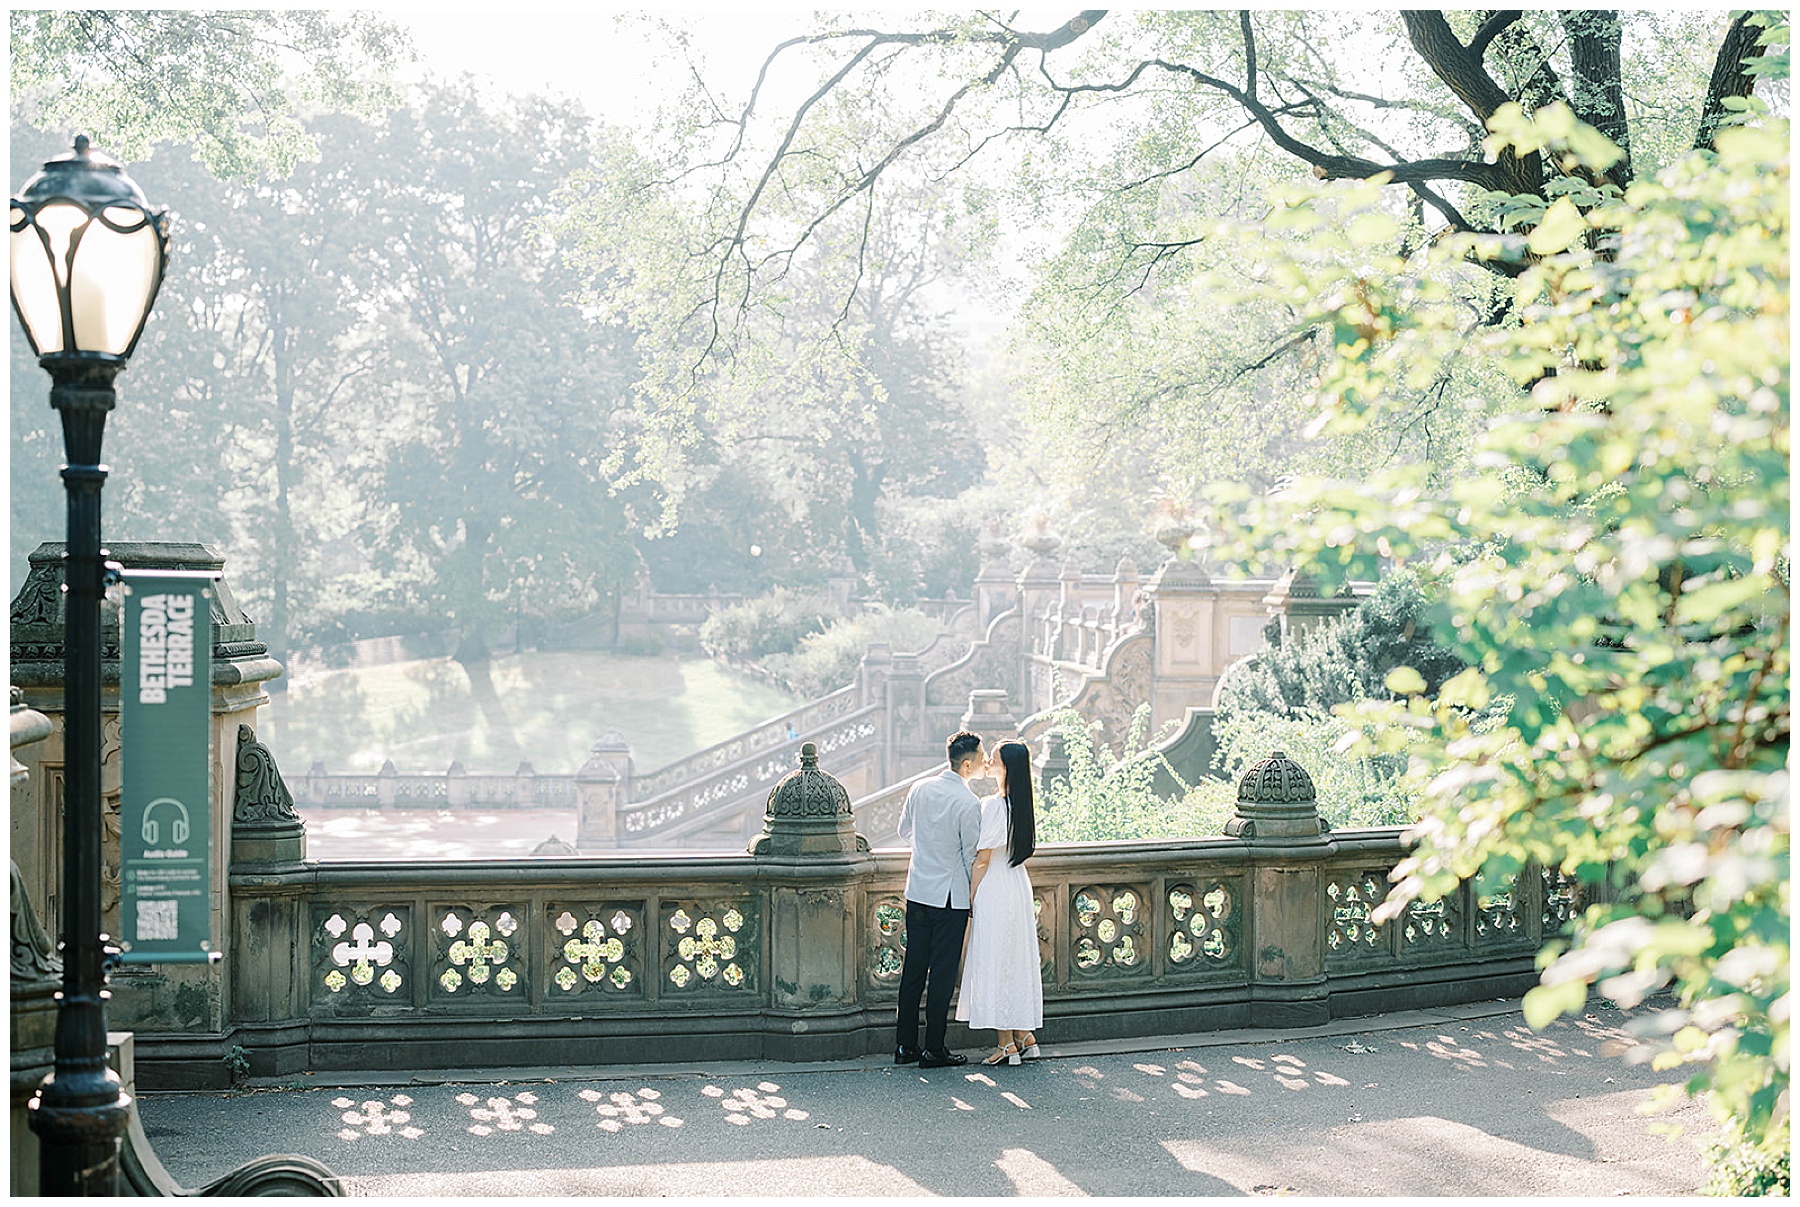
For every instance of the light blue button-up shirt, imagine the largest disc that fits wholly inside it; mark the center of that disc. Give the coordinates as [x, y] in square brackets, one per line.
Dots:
[941, 819]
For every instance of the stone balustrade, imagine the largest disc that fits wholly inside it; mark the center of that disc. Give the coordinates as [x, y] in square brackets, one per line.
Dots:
[792, 956]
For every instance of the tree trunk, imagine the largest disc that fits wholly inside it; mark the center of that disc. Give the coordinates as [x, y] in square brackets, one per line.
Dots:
[1728, 77]
[1598, 92]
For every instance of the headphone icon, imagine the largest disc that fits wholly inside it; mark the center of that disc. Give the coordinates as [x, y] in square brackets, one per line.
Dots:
[152, 828]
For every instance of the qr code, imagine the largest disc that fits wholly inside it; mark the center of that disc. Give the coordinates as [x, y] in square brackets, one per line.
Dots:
[158, 920]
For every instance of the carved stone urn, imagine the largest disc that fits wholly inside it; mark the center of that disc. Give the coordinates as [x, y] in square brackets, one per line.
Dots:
[808, 814]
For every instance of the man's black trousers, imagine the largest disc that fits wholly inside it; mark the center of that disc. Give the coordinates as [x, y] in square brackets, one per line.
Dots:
[934, 943]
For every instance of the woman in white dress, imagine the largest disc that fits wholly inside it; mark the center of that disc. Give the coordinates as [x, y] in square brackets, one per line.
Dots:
[1001, 985]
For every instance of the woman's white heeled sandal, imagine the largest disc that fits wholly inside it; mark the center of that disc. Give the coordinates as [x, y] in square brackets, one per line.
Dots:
[1008, 1055]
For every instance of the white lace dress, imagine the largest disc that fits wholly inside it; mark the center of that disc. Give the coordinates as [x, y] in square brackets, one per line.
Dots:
[1001, 984]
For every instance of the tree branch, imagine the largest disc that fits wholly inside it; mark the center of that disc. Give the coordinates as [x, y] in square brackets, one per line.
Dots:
[1491, 28]
[1461, 70]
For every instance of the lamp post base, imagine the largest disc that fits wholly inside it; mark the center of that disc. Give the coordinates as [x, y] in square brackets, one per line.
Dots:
[80, 1155]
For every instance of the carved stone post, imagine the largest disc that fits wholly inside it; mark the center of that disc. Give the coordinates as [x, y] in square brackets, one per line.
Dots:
[35, 981]
[602, 789]
[872, 673]
[840, 585]
[905, 716]
[387, 786]
[813, 857]
[1039, 588]
[456, 785]
[1185, 622]
[1277, 817]
[1299, 606]
[1126, 585]
[989, 716]
[264, 827]
[994, 589]
[147, 999]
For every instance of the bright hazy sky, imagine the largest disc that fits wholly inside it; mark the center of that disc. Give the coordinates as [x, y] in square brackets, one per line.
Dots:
[613, 66]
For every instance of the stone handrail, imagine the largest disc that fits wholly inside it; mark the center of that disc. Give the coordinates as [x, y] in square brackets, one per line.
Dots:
[598, 960]
[732, 782]
[772, 734]
[450, 789]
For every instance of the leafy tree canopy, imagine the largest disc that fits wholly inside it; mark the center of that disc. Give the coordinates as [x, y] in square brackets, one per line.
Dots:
[232, 82]
[1615, 572]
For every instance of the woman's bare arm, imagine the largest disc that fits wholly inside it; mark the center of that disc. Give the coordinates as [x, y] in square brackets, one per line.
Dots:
[982, 859]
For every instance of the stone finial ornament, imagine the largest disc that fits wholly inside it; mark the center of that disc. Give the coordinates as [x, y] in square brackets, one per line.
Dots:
[808, 792]
[262, 797]
[1276, 780]
[808, 813]
[1276, 801]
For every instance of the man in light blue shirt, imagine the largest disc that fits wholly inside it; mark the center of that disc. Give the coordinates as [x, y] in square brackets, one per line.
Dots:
[941, 819]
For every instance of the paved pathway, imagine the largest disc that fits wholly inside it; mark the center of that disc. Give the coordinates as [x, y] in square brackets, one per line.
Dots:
[1460, 1101]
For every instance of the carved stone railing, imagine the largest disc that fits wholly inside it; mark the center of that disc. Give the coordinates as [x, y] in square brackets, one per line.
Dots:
[454, 788]
[851, 734]
[603, 960]
[785, 730]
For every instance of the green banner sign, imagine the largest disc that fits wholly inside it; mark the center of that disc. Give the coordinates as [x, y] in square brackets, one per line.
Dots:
[165, 714]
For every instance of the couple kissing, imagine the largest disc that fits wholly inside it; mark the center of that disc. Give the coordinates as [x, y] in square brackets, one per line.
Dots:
[967, 879]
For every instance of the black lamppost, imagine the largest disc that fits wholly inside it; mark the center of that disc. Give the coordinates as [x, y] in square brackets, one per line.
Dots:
[88, 255]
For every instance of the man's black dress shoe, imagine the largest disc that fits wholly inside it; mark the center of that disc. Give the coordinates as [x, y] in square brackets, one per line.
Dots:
[904, 1055]
[941, 1060]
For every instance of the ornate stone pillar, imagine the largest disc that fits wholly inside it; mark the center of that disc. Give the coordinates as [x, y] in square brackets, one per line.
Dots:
[602, 790]
[1184, 622]
[265, 829]
[456, 784]
[995, 591]
[905, 717]
[815, 863]
[808, 813]
[989, 715]
[1277, 817]
[157, 997]
[35, 980]
[1039, 588]
[872, 673]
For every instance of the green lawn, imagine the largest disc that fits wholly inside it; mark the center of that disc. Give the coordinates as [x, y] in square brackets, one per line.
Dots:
[545, 707]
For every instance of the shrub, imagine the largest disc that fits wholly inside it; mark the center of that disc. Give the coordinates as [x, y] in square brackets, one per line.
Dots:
[1344, 659]
[1108, 797]
[827, 660]
[770, 624]
[1353, 791]
[1739, 1168]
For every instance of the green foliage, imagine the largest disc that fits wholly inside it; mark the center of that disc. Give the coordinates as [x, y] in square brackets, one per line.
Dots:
[775, 623]
[1738, 1168]
[1353, 790]
[237, 1063]
[1108, 797]
[231, 82]
[1616, 575]
[1346, 658]
[824, 661]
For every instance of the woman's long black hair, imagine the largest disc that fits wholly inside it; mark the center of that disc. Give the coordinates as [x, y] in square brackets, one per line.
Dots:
[1015, 757]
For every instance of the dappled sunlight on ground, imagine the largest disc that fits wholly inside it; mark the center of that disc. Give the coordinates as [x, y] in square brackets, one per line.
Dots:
[1421, 1109]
